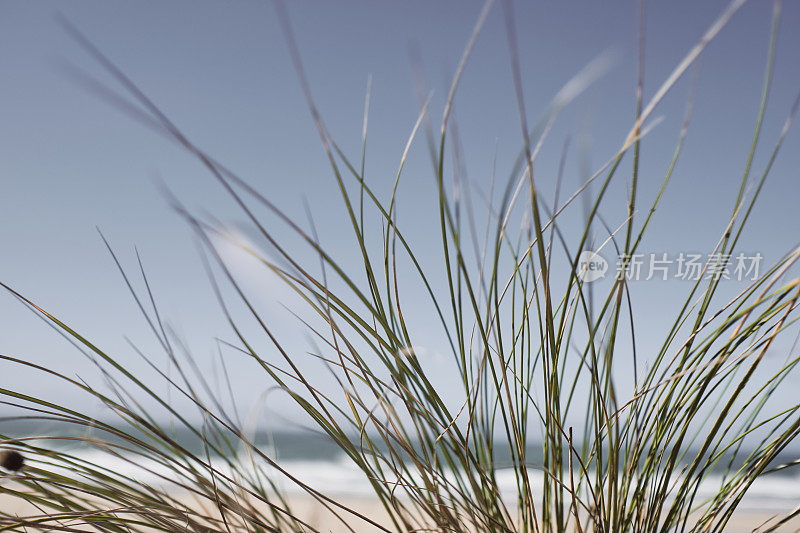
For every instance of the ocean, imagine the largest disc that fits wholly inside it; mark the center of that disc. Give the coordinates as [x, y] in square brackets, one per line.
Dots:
[316, 461]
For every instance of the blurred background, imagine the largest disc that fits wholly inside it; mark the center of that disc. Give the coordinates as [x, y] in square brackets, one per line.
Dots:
[70, 163]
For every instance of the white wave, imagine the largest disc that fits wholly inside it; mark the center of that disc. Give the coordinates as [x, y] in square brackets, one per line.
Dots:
[341, 477]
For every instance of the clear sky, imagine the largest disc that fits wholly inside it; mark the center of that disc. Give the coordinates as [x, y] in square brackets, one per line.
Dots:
[69, 162]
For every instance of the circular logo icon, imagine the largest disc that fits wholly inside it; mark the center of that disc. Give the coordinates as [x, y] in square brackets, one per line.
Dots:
[591, 266]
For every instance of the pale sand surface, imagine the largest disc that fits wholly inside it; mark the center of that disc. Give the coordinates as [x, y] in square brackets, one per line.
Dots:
[314, 514]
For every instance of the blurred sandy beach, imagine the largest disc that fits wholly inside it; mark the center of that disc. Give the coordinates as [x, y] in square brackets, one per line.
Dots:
[314, 514]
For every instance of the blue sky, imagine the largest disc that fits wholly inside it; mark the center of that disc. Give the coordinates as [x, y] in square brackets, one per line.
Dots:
[221, 71]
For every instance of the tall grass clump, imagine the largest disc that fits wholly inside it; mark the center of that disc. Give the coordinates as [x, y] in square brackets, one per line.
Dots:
[537, 352]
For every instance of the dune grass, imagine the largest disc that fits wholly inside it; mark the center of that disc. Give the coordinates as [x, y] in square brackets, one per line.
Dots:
[530, 348]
